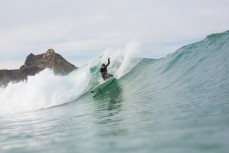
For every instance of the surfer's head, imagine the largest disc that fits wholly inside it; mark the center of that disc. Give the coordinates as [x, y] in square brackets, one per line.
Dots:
[103, 65]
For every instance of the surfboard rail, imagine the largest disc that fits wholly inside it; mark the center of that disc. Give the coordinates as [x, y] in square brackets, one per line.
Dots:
[102, 85]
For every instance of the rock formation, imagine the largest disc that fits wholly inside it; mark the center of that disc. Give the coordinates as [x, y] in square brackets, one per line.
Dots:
[36, 63]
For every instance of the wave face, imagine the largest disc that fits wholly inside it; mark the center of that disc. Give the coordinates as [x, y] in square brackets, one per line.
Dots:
[199, 71]
[178, 103]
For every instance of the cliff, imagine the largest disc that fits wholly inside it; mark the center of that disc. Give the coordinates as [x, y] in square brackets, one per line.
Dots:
[36, 63]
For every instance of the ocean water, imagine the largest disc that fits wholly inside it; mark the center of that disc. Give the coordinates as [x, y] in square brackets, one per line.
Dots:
[176, 104]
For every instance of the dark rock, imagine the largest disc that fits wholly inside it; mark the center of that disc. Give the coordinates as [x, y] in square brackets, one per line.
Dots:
[36, 63]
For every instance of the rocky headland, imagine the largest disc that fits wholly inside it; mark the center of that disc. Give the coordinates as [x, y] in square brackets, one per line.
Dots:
[35, 64]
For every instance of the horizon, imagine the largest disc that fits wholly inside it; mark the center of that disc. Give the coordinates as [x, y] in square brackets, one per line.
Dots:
[82, 30]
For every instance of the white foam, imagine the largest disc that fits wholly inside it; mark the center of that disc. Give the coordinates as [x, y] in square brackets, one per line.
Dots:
[121, 62]
[43, 91]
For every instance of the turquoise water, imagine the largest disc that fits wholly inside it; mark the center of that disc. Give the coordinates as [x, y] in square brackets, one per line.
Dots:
[177, 104]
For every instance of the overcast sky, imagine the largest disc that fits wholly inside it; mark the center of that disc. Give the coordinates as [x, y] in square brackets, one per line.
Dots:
[82, 29]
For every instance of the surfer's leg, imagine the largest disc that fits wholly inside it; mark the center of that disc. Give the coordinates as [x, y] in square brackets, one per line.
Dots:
[104, 77]
[107, 76]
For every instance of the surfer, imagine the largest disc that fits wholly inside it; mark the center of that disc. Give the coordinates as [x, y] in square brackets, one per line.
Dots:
[103, 71]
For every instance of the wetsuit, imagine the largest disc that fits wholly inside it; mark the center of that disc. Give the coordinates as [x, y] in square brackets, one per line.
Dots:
[103, 71]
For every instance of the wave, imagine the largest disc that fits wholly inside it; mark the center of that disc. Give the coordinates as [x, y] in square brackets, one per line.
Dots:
[198, 71]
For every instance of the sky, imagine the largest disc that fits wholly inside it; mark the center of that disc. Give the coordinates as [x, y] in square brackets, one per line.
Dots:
[82, 29]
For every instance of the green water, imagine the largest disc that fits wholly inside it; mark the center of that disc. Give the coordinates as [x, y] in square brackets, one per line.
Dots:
[178, 104]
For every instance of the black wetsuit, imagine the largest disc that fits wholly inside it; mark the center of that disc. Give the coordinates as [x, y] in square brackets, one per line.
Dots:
[104, 73]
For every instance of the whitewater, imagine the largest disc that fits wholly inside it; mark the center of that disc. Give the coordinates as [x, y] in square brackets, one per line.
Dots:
[178, 104]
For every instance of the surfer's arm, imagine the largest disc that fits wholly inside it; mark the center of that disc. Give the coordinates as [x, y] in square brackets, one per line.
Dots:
[108, 62]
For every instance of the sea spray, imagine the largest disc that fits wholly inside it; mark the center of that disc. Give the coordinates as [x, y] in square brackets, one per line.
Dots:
[43, 90]
[123, 57]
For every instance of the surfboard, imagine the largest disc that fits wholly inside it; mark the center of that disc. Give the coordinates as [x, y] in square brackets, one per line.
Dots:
[102, 85]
